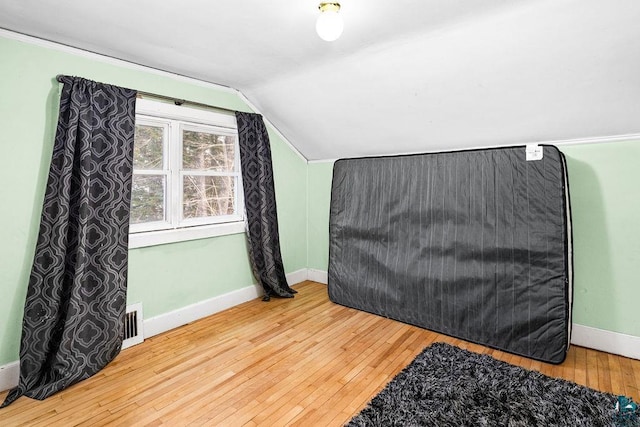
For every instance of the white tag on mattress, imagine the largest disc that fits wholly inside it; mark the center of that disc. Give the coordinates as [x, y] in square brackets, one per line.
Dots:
[534, 152]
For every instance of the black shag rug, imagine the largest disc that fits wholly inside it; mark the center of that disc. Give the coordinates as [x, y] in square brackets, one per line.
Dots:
[447, 386]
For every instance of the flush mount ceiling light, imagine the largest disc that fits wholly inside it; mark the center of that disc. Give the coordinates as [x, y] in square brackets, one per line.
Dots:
[329, 25]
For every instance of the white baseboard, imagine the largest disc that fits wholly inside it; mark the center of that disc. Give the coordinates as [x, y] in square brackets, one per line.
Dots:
[319, 276]
[583, 336]
[9, 375]
[298, 276]
[176, 318]
[611, 342]
[182, 316]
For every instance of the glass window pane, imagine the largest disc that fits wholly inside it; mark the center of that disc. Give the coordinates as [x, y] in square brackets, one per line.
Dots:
[208, 196]
[148, 147]
[147, 198]
[208, 151]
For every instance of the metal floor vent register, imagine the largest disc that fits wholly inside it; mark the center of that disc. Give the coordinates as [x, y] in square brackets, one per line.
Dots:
[133, 330]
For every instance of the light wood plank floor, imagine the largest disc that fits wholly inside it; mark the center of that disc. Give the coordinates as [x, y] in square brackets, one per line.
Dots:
[302, 361]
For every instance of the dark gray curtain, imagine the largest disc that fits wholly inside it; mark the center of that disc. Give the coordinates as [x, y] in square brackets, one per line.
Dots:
[76, 298]
[260, 205]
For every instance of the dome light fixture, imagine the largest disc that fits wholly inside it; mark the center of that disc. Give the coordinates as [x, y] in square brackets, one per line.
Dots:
[329, 25]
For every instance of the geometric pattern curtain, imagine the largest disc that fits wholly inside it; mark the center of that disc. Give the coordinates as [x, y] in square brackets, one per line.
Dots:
[260, 205]
[76, 298]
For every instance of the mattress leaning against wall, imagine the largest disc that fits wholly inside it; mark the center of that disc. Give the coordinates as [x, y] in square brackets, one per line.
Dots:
[473, 244]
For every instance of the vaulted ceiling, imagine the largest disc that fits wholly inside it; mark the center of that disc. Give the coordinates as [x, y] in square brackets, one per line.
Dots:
[406, 75]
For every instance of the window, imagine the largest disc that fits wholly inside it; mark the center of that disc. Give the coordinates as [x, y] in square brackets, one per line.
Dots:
[186, 175]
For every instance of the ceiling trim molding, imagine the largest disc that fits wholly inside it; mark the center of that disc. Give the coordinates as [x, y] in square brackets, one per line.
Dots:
[577, 141]
[311, 162]
[109, 59]
[595, 139]
[138, 67]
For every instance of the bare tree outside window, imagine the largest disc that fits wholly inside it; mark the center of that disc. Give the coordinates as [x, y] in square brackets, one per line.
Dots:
[206, 194]
[185, 175]
[148, 190]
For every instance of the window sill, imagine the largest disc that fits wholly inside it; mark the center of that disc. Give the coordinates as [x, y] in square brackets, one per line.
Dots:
[153, 238]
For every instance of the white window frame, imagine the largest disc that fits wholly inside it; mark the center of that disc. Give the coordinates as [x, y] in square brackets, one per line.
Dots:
[175, 228]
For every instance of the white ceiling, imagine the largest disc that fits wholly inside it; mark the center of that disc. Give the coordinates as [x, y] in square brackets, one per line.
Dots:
[406, 75]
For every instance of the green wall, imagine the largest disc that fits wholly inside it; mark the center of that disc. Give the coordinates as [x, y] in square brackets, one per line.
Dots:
[605, 199]
[319, 183]
[163, 278]
[603, 179]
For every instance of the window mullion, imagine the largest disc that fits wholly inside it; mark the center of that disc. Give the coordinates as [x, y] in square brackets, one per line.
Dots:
[239, 196]
[211, 192]
[176, 178]
[207, 173]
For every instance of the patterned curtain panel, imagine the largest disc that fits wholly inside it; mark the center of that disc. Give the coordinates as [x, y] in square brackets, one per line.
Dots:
[76, 298]
[260, 204]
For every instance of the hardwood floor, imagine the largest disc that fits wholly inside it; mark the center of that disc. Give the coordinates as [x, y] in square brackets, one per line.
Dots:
[302, 361]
